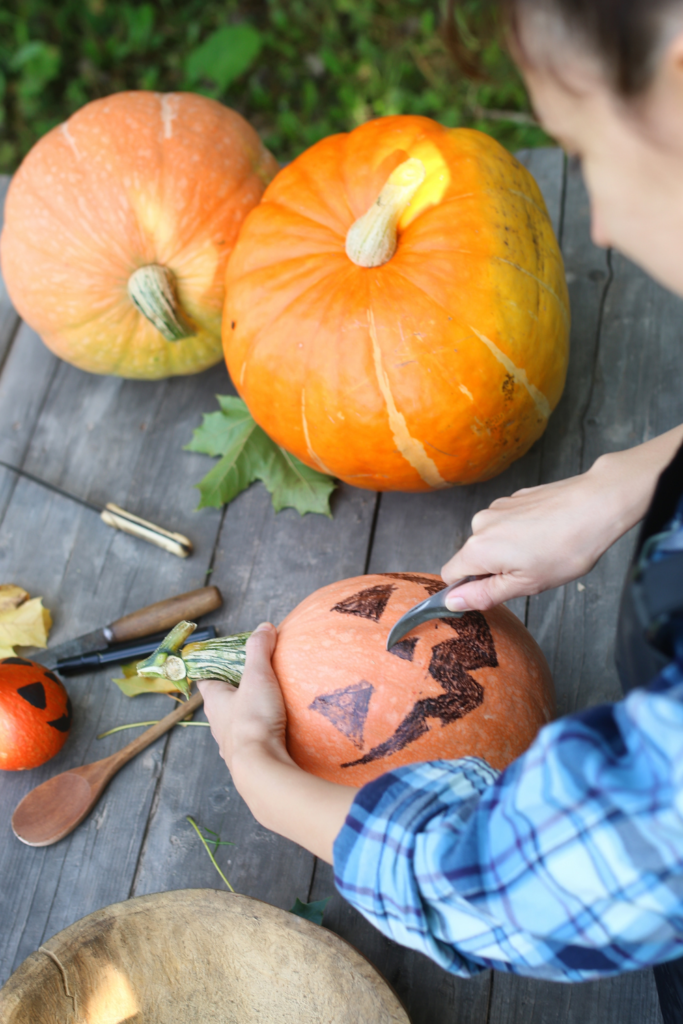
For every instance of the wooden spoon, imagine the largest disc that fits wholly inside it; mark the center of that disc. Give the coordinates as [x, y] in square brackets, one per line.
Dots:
[54, 809]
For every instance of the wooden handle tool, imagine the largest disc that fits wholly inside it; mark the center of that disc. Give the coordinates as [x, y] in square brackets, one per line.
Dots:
[52, 810]
[164, 615]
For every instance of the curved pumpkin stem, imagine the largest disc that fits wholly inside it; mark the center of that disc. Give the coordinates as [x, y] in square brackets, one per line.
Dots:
[371, 240]
[153, 291]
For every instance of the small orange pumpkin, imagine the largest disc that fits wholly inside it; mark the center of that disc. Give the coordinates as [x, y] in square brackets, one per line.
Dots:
[477, 685]
[396, 311]
[118, 226]
[35, 714]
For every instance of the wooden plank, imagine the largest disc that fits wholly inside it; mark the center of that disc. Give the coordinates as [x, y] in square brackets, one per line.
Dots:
[101, 438]
[8, 317]
[265, 564]
[622, 388]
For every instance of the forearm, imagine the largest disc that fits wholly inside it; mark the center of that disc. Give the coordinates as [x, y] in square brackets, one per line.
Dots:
[283, 798]
[628, 478]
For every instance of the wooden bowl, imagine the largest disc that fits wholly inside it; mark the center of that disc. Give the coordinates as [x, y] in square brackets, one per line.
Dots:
[197, 956]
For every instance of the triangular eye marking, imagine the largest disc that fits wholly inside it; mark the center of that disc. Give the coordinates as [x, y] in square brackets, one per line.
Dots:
[368, 604]
[34, 693]
[472, 648]
[53, 677]
[63, 723]
[431, 586]
[404, 648]
[346, 709]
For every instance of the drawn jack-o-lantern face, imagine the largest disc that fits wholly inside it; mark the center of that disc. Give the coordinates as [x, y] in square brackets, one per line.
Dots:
[35, 714]
[478, 685]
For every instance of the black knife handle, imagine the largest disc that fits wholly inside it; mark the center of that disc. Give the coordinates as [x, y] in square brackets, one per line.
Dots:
[131, 651]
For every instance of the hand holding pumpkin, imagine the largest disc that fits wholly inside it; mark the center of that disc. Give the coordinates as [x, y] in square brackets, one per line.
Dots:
[249, 727]
[542, 537]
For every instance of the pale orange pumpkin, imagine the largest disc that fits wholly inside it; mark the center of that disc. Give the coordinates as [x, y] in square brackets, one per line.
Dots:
[396, 311]
[118, 226]
[472, 686]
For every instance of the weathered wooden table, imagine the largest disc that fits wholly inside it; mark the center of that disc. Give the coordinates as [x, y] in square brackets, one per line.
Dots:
[109, 439]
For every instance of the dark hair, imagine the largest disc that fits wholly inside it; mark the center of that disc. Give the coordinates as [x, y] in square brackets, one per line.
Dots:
[626, 36]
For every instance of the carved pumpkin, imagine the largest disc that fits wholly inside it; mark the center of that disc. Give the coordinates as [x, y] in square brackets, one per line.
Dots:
[477, 685]
[118, 226]
[35, 714]
[396, 311]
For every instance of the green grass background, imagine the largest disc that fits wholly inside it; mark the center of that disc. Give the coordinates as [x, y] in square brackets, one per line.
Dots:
[297, 69]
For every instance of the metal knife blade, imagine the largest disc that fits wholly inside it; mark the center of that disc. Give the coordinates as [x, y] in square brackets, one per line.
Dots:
[86, 644]
[433, 607]
[155, 619]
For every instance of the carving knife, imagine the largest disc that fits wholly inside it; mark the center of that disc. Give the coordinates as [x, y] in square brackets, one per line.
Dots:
[111, 643]
[433, 607]
[118, 518]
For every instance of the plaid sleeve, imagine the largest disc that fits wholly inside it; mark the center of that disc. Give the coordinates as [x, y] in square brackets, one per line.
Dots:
[567, 866]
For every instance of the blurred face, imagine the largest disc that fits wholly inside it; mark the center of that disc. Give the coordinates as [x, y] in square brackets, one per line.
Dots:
[631, 152]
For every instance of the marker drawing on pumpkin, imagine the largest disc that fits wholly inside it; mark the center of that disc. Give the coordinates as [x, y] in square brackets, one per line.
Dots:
[34, 693]
[431, 585]
[368, 604]
[404, 648]
[346, 709]
[63, 723]
[472, 648]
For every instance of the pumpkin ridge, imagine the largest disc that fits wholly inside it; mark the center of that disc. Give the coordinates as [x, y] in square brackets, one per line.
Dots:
[454, 316]
[348, 270]
[540, 282]
[519, 374]
[411, 448]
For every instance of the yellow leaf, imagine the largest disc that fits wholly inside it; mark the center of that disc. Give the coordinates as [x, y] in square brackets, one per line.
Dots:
[23, 625]
[11, 596]
[134, 685]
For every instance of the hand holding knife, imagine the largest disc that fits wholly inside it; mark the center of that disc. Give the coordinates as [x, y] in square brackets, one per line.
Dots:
[132, 636]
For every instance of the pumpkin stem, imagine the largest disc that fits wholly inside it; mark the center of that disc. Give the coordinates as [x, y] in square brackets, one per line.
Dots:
[371, 240]
[153, 291]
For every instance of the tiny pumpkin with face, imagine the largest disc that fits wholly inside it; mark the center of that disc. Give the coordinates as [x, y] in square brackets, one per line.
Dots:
[477, 686]
[35, 714]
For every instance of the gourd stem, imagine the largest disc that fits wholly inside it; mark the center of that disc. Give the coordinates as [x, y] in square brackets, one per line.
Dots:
[371, 240]
[152, 290]
[220, 658]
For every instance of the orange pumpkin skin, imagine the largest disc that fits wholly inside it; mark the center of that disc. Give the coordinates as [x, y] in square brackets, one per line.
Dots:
[134, 179]
[35, 714]
[439, 367]
[476, 686]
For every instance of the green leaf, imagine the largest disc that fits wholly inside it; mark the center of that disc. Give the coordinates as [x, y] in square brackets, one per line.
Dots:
[310, 911]
[248, 454]
[225, 55]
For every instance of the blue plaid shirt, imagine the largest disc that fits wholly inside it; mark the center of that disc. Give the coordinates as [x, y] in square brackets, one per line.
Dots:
[566, 866]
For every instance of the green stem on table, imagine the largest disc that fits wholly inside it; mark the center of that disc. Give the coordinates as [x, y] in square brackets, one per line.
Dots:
[135, 725]
[195, 826]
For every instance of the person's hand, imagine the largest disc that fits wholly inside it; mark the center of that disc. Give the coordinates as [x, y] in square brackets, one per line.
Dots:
[249, 725]
[539, 537]
[542, 537]
[252, 715]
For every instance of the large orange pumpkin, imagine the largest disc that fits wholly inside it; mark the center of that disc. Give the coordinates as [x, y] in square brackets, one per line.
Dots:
[477, 685]
[35, 714]
[396, 311]
[118, 226]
